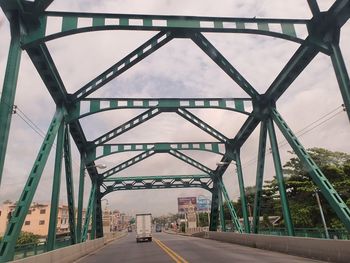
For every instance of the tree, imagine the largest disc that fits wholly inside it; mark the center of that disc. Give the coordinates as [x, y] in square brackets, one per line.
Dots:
[301, 190]
[27, 238]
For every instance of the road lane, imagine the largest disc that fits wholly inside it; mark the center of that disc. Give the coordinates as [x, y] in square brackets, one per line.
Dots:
[173, 248]
[127, 250]
[204, 250]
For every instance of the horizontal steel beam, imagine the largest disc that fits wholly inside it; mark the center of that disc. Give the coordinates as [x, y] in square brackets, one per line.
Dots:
[108, 149]
[89, 106]
[157, 178]
[73, 23]
[158, 182]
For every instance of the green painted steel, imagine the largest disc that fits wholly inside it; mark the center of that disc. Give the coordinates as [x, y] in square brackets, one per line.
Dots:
[9, 88]
[88, 215]
[108, 149]
[143, 117]
[14, 226]
[99, 220]
[157, 182]
[90, 106]
[314, 171]
[279, 176]
[242, 192]
[259, 176]
[323, 31]
[124, 64]
[80, 199]
[224, 64]
[157, 178]
[231, 209]
[93, 211]
[221, 212]
[299, 61]
[128, 163]
[202, 125]
[180, 24]
[314, 7]
[214, 212]
[69, 185]
[56, 186]
[191, 161]
[342, 75]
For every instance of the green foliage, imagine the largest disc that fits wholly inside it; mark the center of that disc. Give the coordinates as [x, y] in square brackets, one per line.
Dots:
[27, 238]
[203, 219]
[183, 227]
[301, 191]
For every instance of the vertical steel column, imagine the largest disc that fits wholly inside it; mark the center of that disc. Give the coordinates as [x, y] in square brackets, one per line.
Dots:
[314, 171]
[81, 198]
[88, 213]
[231, 209]
[69, 184]
[242, 191]
[222, 212]
[280, 180]
[315, 10]
[99, 219]
[214, 211]
[93, 212]
[9, 88]
[259, 176]
[7, 246]
[342, 75]
[56, 185]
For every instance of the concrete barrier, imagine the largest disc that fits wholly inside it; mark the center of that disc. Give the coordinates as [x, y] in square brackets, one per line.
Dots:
[321, 249]
[72, 253]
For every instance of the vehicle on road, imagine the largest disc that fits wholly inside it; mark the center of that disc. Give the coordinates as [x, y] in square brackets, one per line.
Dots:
[158, 228]
[129, 229]
[143, 227]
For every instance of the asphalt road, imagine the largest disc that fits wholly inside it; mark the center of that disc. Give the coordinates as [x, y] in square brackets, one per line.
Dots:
[176, 248]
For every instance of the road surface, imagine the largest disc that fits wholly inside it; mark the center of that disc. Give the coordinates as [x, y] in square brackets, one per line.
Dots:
[175, 248]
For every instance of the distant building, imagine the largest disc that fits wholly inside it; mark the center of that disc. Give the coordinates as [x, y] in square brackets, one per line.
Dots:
[37, 219]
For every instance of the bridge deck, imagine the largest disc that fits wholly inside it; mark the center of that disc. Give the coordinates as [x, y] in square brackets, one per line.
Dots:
[187, 249]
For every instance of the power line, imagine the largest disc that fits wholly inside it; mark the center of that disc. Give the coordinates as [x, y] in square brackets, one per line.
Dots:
[308, 128]
[16, 110]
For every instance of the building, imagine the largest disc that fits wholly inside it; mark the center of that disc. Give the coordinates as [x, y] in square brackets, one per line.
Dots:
[37, 219]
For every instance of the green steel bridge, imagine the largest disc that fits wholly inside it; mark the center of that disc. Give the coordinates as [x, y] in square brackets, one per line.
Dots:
[29, 21]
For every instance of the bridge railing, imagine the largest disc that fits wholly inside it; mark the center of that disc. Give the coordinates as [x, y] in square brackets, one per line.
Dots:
[309, 232]
[31, 249]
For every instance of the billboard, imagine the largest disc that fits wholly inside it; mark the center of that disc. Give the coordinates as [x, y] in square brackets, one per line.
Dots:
[186, 204]
[203, 204]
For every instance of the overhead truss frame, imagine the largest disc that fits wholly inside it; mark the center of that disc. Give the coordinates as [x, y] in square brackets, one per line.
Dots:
[29, 22]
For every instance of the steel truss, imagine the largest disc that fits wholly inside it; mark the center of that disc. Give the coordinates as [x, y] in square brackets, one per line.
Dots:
[28, 22]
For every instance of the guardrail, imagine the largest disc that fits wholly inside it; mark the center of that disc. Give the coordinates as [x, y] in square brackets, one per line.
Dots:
[69, 253]
[32, 249]
[315, 248]
[308, 232]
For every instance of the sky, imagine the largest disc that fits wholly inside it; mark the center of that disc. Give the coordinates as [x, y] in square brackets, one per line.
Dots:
[179, 69]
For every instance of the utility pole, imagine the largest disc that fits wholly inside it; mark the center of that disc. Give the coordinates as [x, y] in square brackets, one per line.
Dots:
[322, 215]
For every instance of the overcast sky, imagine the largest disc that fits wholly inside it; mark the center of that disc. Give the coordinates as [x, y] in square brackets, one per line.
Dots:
[179, 69]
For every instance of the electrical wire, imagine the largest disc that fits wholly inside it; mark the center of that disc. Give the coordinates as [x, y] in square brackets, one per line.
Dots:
[20, 113]
[307, 129]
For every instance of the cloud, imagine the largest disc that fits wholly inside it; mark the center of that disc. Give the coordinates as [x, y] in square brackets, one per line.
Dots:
[179, 69]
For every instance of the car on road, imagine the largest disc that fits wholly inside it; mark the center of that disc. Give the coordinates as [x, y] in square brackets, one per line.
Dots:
[158, 228]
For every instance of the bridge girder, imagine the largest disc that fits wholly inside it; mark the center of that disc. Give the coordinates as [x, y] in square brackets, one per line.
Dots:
[29, 21]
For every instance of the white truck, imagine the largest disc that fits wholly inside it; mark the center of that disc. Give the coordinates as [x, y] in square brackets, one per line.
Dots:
[143, 227]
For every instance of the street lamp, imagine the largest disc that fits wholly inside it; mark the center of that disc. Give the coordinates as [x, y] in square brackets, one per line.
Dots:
[224, 163]
[100, 166]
